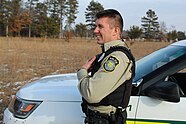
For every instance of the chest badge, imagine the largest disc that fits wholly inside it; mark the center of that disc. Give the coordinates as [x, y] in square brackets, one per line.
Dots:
[111, 64]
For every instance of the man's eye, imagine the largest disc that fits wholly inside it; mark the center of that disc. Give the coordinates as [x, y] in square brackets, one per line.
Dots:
[100, 26]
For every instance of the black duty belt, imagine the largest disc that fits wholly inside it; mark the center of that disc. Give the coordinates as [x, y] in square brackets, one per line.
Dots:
[96, 113]
[95, 117]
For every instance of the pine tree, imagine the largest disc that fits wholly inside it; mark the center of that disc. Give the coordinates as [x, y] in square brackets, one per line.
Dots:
[54, 23]
[71, 11]
[150, 24]
[62, 9]
[40, 20]
[90, 13]
[30, 5]
[5, 11]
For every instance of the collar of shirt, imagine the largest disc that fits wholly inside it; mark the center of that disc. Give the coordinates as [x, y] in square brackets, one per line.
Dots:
[107, 45]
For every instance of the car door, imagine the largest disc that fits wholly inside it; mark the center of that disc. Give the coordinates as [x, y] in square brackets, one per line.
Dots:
[159, 100]
[159, 111]
[156, 111]
[131, 109]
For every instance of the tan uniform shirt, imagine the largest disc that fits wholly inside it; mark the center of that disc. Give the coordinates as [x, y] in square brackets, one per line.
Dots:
[94, 89]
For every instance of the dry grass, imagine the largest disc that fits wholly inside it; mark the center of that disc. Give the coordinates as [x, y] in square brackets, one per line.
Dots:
[23, 59]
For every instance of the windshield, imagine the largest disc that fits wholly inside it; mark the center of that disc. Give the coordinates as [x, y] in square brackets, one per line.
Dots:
[157, 59]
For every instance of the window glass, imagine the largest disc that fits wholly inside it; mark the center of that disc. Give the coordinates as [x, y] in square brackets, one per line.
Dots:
[157, 59]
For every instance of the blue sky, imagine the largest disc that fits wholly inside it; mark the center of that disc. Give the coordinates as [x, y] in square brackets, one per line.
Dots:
[172, 12]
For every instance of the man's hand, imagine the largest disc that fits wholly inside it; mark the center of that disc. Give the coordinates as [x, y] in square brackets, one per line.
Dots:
[89, 63]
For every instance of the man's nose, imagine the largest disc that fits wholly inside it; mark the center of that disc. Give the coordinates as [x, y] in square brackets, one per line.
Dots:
[96, 30]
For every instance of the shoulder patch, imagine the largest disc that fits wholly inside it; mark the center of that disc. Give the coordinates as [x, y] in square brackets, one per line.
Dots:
[111, 64]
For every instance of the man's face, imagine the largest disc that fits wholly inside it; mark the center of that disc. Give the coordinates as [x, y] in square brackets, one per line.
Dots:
[104, 31]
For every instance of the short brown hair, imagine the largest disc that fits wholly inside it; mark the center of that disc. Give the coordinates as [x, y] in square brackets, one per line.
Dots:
[114, 14]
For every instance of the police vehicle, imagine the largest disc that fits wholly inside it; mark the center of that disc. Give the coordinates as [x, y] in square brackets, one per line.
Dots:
[158, 94]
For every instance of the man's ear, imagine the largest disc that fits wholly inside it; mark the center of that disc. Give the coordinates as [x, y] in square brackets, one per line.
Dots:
[117, 30]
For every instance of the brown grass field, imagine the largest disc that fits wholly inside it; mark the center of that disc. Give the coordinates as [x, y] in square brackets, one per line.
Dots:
[23, 60]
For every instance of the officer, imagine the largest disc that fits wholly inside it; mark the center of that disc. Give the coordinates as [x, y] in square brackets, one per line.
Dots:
[105, 79]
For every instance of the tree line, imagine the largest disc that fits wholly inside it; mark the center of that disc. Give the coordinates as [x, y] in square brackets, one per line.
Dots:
[56, 19]
[151, 28]
[37, 19]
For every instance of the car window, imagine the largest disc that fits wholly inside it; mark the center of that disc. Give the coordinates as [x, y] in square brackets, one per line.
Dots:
[157, 59]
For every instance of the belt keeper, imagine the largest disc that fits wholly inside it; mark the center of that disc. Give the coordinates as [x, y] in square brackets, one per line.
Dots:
[121, 109]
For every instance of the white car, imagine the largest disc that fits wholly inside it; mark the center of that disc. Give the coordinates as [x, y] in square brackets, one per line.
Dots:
[158, 94]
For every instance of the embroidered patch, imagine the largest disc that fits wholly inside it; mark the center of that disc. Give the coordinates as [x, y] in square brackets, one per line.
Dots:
[111, 64]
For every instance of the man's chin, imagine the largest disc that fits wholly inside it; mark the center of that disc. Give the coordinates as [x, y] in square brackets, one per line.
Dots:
[100, 42]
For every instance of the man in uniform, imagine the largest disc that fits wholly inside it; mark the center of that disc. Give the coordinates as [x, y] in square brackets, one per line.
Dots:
[105, 79]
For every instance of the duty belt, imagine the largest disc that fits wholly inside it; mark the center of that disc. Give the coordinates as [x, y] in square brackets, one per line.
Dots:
[95, 117]
[96, 113]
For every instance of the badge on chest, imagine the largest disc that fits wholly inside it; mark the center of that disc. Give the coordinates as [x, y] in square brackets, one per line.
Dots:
[110, 64]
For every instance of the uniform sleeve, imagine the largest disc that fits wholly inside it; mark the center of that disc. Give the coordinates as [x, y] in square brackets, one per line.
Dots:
[106, 79]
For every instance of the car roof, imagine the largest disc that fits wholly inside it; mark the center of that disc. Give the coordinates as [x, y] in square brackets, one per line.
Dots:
[180, 43]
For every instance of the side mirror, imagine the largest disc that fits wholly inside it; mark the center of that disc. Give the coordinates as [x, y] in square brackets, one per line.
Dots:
[166, 91]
